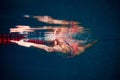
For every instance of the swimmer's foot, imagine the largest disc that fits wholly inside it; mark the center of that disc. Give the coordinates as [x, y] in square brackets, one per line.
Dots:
[91, 44]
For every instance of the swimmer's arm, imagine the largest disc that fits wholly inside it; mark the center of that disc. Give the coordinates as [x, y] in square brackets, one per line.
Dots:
[29, 44]
[50, 20]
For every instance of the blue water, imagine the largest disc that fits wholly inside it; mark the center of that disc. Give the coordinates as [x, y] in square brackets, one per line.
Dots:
[100, 62]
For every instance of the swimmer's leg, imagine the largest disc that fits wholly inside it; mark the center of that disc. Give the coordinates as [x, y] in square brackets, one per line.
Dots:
[90, 44]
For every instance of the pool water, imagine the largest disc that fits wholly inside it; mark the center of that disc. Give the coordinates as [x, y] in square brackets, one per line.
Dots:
[100, 62]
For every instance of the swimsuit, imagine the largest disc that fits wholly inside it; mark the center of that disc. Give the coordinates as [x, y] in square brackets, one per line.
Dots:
[73, 49]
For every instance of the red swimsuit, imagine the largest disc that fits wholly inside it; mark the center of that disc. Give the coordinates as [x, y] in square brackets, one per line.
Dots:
[75, 49]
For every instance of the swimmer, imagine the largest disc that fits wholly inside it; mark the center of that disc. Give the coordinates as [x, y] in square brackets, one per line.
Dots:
[62, 47]
[62, 41]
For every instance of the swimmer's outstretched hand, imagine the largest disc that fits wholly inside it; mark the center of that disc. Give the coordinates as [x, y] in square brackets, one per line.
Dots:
[22, 43]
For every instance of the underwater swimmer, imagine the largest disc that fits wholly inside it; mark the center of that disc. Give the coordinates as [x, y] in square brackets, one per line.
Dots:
[63, 42]
[61, 46]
